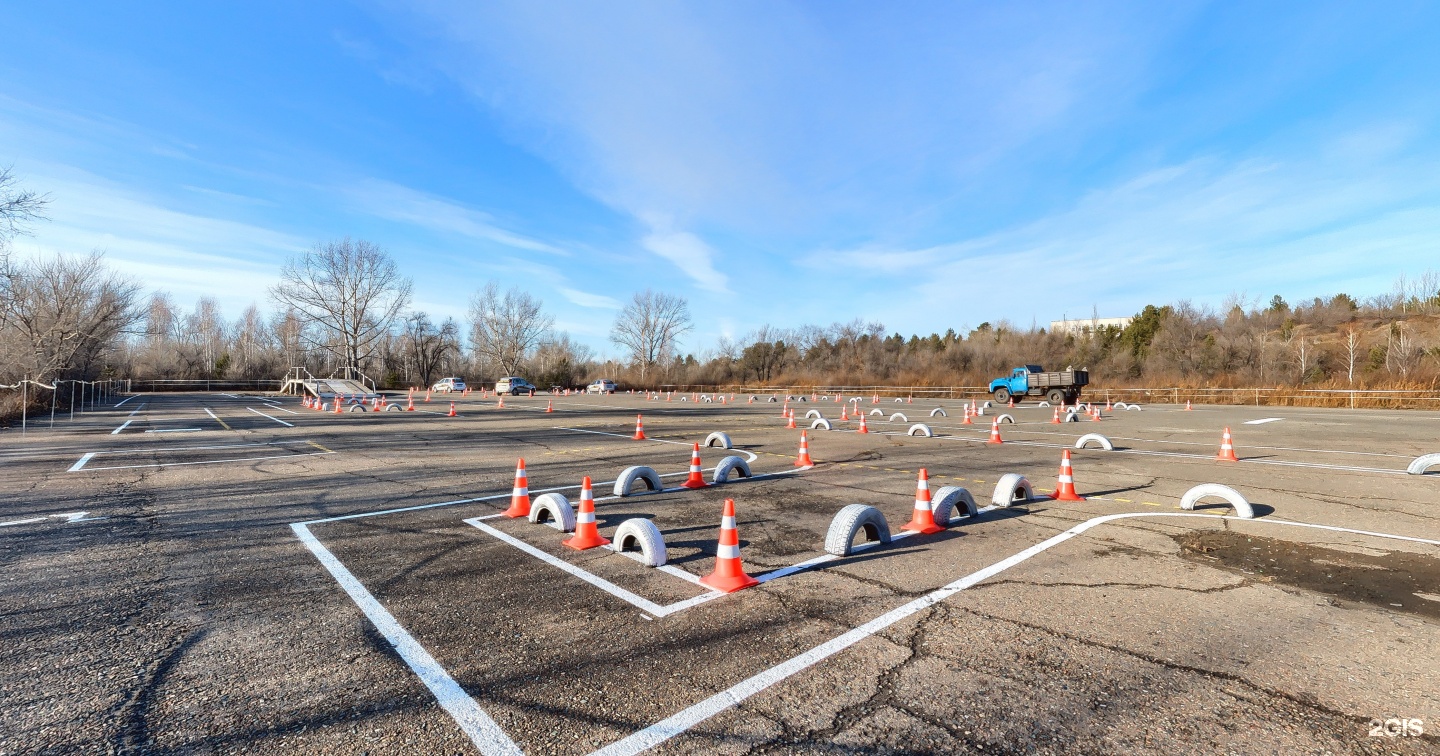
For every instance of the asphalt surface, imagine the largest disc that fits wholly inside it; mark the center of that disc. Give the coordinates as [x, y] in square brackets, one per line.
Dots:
[249, 576]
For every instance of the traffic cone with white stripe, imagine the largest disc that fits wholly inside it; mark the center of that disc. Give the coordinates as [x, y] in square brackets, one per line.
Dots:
[862, 428]
[1011, 403]
[452, 410]
[995, 432]
[790, 420]
[729, 575]
[923, 520]
[549, 405]
[844, 417]
[1065, 487]
[965, 410]
[1227, 448]
[427, 396]
[1056, 419]
[410, 403]
[520, 496]
[1187, 406]
[500, 404]
[804, 460]
[785, 409]
[697, 475]
[337, 404]
[639, 430]
[1095, 414]
[1107, 405]
[587, 535]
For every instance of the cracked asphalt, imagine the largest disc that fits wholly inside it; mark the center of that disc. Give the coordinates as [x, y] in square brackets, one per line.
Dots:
[180, 613]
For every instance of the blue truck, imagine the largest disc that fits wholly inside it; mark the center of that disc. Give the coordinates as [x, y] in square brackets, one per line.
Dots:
[1061, 387]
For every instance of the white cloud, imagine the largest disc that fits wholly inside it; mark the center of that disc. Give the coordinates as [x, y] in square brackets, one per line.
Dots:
[586, 299]
[687, 252]
[390, 201]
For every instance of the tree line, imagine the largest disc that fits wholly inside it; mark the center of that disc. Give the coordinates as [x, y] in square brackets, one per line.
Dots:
[344, 303]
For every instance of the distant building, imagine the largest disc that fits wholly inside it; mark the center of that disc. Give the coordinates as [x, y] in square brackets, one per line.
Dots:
[1079, 326]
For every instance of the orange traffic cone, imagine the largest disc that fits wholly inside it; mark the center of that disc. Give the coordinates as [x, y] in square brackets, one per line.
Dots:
[844, 418]
[452, 410]
[995, 432]
[549, 405]
[520, 496]
[338, 404]
[785, 409]
[790, 420]
[1055, 420]
[923, 520]
[639, 430]
[427, 396]
[500, 404]
[804, 460]
[410, 403]
[1065, 487]
[587, 535]
[697, 477]
[1187, 405]
[751, 400]
[1227, 448]
[1095, 414]
[729, 575]
[862, 428]
[1107, 405]
[1011, 403]
[909, 400]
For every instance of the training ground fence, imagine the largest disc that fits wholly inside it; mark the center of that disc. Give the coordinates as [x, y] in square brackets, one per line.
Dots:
[30, 403]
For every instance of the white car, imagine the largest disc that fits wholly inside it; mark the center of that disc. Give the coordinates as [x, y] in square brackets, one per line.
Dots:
[447, 385]
[602, 386]
[514, 386]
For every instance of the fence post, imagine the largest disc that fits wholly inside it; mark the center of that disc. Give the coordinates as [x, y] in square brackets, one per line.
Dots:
[72, 400]
[24, 402]
[53, 393]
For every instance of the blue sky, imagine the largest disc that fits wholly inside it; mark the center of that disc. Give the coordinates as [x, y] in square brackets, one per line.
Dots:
[926, 165]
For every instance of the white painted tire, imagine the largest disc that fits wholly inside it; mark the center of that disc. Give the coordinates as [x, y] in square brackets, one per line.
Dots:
[772, 399]
[1043, 404]
[875, 412]
[900, 415]
[730, 466]
[394, 408]
[899, 400]
[1097, 438]
[821, 424]
[1230, 495]
[1012, 488]
[943, 504]
[707, 400]
[1422, 463]
[938, 411]
[852, 519]
[1135, 407]
[640, 533]
[554, 509]
[986, 405]
[719, 439]
[1005, 419]
[627, 479]
[813, 413]
[356, 408]
[1120, 405]
[1071, 417]
[920, 429]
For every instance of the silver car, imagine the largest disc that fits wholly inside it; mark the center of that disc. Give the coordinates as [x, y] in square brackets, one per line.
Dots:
[602, 386]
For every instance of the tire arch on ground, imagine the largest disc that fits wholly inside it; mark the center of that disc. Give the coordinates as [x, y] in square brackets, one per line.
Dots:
[1230, 495]
[900, 415]
[1006, 418]
[1104, 442]
[1422, 463]
[555, 509]
[718, 438]
[938, 411]
[641, 534]
[821, 424]
[630, 475]
[1012, 488]
[944, 504]
[730, 466]
[853, 519]
[920, 429]
[813, 413]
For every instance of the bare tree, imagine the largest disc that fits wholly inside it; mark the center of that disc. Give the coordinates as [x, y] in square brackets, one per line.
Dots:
[350, 291]
[1352, 351]
[63, 313]
[506, 328]
[428, 345]
[650, 327]
[17, 207]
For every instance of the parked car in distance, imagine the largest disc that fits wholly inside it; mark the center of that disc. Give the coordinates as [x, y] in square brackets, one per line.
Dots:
[602, 386]
[514, 386]
[447, 385]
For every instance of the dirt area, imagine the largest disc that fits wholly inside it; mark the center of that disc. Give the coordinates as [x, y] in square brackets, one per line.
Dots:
[1394, 580]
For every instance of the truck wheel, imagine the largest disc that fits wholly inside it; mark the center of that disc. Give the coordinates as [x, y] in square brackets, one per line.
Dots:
[1056, 396]
[1002, 395]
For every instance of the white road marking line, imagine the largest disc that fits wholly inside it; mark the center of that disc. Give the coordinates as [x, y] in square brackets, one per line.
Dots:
[21, 522]
[481, 729]
[210, 461]
[282, 409]
[276, 419]
[81, 462]
[116, 432]
[1264, 420]
[187, 448]
[126, 399]
[173, 430]
[684, 720]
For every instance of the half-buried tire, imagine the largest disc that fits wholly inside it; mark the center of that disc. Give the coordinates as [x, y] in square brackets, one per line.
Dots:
[731, 467]
[640, 534]
[938, 411]
[554, 509]
[719, 439]
[853, 519]
[630, 475]
[1012, 488]
[821, 424]
[952, 501]
[920, 429]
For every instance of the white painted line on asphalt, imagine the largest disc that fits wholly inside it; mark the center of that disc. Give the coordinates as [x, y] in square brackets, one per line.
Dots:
[186, 448]
[276, 419]
[210, 461]
[122, 427]
[282, 409]
[21, 522]
[173, 430]
[126, 399]
[1264, 420]
[481, 729]
[81, 462]
[135, 411]
[684, 720]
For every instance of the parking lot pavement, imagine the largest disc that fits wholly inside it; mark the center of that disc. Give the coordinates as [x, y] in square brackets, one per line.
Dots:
[229, 573]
